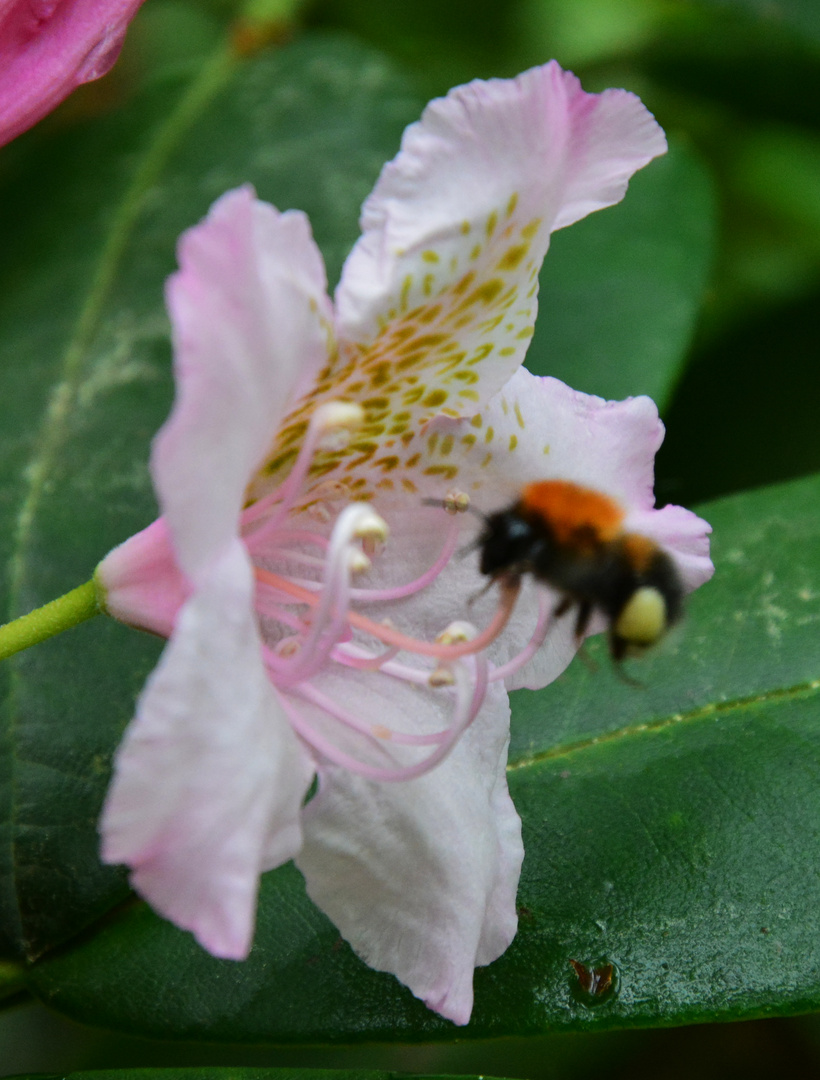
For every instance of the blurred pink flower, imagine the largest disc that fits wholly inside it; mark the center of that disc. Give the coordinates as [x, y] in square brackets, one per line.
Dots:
[303, 583]
[49, 47]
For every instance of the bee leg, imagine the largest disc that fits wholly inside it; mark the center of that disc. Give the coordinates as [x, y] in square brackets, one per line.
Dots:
[618, 650]
[581, 624]
[562, 607]
[586, 659]
[582, 621]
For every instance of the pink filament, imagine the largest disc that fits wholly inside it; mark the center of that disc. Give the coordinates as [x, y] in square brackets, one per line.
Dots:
[539, 635]
[509, 593]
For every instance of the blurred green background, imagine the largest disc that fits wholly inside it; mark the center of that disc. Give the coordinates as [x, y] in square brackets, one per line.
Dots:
[740, 81]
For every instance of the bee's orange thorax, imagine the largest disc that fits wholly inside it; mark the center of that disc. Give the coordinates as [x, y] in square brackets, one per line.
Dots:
[575, 515]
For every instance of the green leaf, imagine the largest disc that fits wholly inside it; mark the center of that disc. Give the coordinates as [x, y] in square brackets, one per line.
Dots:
[672, 832]
[231, 1073]
[800, 16]
[621, 290]
[89, 225]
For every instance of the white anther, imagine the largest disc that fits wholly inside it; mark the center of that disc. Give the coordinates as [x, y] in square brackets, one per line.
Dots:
[288, 647]
[357, 561]
[456, 502]
[441, 676]
[371, 546]
[370, 526]
[336, 421]
[320, 513]
[455, 633]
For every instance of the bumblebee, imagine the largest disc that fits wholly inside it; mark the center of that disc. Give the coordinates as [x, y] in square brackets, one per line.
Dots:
[572, 539]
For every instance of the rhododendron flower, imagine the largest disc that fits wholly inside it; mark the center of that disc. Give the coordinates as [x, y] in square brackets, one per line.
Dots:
[49, 47]
[315, 607]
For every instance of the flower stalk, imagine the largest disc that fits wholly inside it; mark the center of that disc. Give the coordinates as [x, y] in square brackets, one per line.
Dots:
[51, 619]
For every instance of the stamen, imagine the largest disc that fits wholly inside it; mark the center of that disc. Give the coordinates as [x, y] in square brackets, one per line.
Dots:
[539, 635]
[371, 731]
[419, 583]
[467, 707]
[329, 623]
[361, 659]
[329, 421]
[509, 592]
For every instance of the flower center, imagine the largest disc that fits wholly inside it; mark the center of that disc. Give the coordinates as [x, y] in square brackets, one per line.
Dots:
[312, 631]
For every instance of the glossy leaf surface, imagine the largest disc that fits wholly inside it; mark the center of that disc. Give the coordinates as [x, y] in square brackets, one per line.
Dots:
[800, 16]
[671, 833]
[223, 1073]
[621, 290]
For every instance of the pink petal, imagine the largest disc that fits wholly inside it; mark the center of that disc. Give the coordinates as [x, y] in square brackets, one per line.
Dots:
[684, 535]
[460, 219]
[534, 429]
[250, 319]
[210, 778]
[421, 877]
[142, 583]
[49, 47]
[541, 429]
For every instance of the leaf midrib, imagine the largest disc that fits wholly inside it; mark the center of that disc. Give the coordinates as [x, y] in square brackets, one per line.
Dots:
[701, 712]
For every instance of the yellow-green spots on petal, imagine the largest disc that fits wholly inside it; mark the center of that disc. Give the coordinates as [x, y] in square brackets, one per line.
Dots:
[512, 257]
[519, 418]
[430, 314]
[546, 448]
[449, 472]
[388, 463]
[505, 408]
[468, 377]
[458, 311]
[434, 399]
[432, 442]
[462, 286]
[513, 442]
[481, 353]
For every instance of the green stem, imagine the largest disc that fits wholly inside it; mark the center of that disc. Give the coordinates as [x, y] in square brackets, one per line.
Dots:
[50, 619]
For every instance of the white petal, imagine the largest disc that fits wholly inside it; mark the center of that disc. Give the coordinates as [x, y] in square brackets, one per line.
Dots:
[251, 325]
[458, 224]
[210, 778]
[420, 877]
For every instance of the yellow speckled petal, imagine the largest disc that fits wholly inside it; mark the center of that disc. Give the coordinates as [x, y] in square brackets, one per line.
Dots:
[438, 299]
